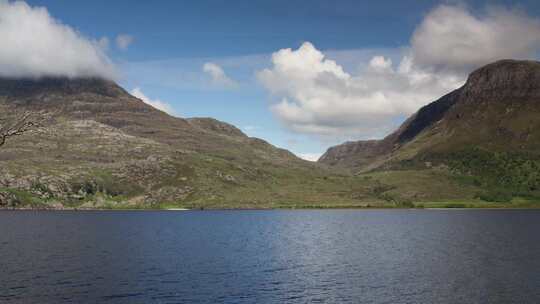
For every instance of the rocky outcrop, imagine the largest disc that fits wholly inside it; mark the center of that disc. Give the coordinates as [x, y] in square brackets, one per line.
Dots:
[363, 152]
[8, 200]
[214, 125]
[503, 80]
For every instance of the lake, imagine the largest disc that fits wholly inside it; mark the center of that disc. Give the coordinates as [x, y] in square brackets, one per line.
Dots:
[304, 256]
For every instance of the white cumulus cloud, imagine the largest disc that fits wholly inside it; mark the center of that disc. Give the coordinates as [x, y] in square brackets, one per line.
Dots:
[313, 157]
[452, 37]
[313, 94]
[34, 44]
[218, 76]
[156, 103]
[123, 41]
[317, 96]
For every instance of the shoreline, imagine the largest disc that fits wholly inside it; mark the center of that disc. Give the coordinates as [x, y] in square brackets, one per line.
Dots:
[275, 209]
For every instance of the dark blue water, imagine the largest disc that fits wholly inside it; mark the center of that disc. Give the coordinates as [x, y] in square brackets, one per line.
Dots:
[340, 256]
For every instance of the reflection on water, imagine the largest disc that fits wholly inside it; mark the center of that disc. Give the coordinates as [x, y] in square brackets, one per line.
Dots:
[311, 256]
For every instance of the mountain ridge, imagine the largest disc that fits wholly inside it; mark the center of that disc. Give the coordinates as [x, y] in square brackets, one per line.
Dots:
[495, 83]
[104, 148]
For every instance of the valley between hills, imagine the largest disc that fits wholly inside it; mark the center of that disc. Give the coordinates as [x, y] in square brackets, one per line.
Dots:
[101, 148]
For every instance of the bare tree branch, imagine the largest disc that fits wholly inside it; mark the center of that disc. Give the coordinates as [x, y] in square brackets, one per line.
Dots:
[19, 123]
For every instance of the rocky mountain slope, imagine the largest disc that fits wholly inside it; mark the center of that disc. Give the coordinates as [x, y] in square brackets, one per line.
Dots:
[487, 128]
[106, 148]
[498, 108]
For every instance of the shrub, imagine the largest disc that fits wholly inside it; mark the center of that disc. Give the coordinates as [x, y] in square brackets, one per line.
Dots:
[455, 205]
[495, 196]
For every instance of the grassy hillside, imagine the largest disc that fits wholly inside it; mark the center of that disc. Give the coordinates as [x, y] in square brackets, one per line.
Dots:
[85, 164]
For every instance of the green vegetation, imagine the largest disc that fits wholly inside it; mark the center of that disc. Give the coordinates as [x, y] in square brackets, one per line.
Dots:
[501, 175]
[22, 198]
[201, 181]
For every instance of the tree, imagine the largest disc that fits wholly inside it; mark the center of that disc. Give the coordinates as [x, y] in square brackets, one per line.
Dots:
[18, 124]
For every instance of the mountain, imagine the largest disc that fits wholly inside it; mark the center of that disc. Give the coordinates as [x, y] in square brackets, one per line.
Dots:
[100, 147]
[487, 129]
[369, 154]
[498, 109]
[106, 148]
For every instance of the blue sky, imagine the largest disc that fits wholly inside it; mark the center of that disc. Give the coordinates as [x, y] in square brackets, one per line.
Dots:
[172, 40]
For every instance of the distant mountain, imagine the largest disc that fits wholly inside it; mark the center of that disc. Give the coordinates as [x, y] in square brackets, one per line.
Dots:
[486, 128]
